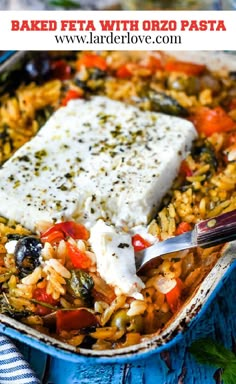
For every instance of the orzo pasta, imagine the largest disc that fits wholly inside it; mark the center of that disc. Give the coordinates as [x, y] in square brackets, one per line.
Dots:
[49, 279]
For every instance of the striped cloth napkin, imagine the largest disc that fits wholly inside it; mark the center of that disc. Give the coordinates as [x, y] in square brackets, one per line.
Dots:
[13, 367]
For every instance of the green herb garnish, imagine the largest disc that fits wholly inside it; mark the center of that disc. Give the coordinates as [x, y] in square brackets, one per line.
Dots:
[46, 305]
[7, 309]
[207, 351]
[66, 4]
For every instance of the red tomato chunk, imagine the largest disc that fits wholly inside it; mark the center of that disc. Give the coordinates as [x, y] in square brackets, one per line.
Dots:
[68, 320]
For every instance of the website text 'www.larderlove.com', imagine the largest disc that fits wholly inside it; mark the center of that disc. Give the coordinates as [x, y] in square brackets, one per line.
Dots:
[118, 30]
[118, 39]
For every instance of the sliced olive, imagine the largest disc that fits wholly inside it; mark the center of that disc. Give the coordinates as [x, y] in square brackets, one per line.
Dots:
[27, 254]
[124, 322]
[190, 85]
[160, 102]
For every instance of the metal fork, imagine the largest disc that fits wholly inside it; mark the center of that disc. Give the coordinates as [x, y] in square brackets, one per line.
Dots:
[207, 233]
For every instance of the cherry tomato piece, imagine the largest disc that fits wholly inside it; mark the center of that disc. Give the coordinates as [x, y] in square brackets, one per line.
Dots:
[70, 95]
[139, 243]
[182, 228]
[78, 258]
[124, 72]
[40, 294]
[184, 169]
[61, 231]
[209, 121]
[184, 67]
[173, 297]
[91, 60]
[61, 70]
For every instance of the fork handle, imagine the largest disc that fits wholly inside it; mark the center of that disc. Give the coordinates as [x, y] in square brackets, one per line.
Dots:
[216, 230]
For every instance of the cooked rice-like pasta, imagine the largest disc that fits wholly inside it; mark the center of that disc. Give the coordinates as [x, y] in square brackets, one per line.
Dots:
[206, 186]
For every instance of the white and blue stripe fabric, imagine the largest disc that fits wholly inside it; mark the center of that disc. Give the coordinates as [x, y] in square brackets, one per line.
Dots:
[13, 367]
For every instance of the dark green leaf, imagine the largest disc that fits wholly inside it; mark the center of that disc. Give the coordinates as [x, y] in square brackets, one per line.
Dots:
[42, 115]
[207, 351]
[43, 304]
[7, 309]
[229, 374]
[81, 284]
[67, 4]
[160, 102]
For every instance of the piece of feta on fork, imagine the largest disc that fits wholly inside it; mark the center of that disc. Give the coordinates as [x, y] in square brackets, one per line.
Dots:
[115, 259]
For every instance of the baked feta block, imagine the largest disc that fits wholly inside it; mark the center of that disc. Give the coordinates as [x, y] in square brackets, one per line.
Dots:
[95, 159]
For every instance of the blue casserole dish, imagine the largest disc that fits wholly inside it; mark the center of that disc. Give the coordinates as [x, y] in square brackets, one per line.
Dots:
[187, 317]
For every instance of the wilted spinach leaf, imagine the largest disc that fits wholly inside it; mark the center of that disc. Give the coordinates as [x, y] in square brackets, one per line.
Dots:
[81, 284]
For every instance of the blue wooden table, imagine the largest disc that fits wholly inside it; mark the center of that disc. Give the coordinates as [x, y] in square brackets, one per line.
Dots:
[175, 366]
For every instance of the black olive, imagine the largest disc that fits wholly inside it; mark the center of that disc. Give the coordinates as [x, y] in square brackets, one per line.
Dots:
[97, 74]
[82, 84]
[87, 342]
[27, 253]
[14, 236]
[38, 68]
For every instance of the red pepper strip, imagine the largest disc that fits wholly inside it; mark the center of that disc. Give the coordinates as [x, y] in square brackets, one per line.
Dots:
[78, 258]
[124, 72]
[209, 121]
[182, 228]
[63, 230]
[40, 294]
[139, 243]
[184, 67]
[71, 94]
[61, 70]
[91, 60]
[173, 297]
[184, 169]
[69, 320]
[53, 238]
[153, 63]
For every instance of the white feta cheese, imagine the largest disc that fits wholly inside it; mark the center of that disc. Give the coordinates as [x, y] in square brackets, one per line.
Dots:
[10, 246]
[95, 159]
[115, 259]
